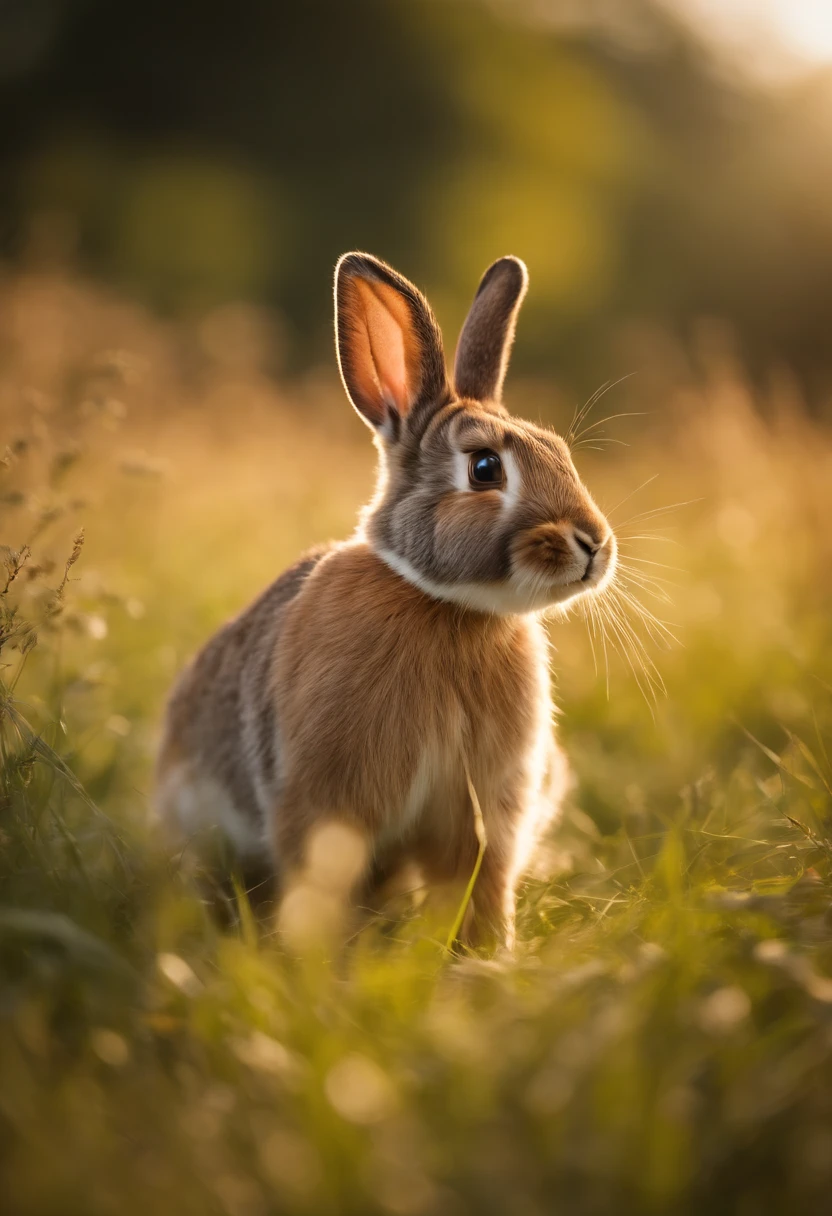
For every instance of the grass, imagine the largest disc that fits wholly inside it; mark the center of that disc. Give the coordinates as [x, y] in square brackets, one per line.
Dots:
[662, 1040]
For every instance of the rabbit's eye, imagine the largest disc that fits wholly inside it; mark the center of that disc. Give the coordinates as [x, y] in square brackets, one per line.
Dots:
[485, 470]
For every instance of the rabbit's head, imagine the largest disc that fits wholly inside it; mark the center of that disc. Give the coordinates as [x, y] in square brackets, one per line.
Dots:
[472, 505]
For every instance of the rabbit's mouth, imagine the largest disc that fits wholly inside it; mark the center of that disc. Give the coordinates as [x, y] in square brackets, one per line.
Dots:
[559, 561]
[600, 567]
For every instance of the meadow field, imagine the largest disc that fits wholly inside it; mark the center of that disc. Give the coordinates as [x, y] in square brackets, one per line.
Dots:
[661, 1042]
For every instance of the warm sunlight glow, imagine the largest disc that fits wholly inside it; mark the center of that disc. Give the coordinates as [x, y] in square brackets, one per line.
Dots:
[771, 35]
[806, 24]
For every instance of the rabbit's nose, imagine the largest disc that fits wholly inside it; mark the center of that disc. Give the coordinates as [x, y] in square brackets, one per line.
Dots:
[589, 542]
[589, 546]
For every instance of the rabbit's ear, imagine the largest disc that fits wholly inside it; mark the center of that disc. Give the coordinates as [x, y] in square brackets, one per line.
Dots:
[389, 345]
[486, 338]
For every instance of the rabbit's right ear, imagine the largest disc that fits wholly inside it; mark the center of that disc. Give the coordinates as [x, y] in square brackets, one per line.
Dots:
[388, 343]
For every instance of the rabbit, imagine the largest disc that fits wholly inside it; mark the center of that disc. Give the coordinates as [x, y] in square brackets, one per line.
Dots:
[385, 683]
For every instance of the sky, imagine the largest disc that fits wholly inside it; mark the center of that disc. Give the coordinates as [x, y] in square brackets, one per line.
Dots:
[771, 37]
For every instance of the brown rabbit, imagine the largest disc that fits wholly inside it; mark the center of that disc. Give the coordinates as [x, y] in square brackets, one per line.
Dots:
[380, 678]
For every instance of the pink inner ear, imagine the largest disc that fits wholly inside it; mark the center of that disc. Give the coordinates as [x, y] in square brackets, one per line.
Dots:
[385, 316]
[387, 348]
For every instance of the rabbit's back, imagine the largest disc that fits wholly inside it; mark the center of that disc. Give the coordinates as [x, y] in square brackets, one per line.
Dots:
[219, 766]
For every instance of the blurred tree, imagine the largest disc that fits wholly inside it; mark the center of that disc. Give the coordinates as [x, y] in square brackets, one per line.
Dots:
[203, 155]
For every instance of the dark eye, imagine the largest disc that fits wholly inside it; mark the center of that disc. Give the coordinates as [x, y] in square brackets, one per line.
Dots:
[485, 469]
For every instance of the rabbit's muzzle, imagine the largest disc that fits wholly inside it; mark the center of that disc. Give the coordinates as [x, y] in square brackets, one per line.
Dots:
[571, 559]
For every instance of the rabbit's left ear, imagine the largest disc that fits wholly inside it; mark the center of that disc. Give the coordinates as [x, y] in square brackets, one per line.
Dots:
[486, 338]
[389, 345]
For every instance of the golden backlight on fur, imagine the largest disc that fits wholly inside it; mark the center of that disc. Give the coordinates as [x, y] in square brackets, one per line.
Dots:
[341, 722]
[378, 332]
[379, 350]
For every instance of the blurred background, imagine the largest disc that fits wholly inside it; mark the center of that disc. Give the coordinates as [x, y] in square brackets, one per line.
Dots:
[177, 181]
[654, 161]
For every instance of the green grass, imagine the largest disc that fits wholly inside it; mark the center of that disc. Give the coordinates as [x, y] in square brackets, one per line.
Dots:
[662, 1040]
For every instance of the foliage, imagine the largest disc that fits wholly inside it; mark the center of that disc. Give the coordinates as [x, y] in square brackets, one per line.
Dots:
[638, 174]
[661, 1041]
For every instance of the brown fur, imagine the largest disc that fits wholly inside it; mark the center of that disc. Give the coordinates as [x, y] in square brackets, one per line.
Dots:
[352, 702]
[485, 342]
[374, 680]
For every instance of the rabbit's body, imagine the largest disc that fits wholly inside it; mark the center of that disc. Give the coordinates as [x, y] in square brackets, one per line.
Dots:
[453, 692]
[466, 695]
[378, 681]
[219, 764]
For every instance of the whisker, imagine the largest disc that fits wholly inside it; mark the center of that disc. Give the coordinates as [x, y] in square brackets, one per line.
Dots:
[587, 610]
[643, 578]
[610, 418]
[639, 651]
[596, 444]
[630, 495]
[657, 592]
[598, 624]
[603, 631]
[634, 587]
[627, 540]
[580, 414]
[649, 562]
[616, 591]
[612, 610]
[642, 677]
[663, 632]
[673, 506]
[593, 400]
[646, 576]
